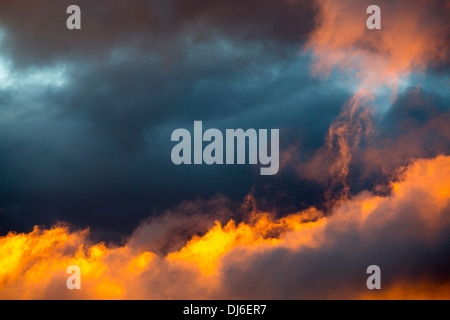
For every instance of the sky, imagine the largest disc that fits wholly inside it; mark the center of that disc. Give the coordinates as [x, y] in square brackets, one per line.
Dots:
[86, 176]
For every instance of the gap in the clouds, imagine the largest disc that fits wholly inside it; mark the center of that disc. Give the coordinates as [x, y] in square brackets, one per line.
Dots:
[32, 78]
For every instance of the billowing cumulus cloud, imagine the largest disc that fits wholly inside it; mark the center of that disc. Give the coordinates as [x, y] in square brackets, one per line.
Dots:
[37, 33]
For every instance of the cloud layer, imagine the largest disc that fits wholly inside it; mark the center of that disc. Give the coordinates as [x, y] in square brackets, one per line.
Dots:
[85, 125]
[303, 255]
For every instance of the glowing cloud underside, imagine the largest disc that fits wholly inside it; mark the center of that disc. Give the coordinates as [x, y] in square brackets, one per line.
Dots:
[411, 217]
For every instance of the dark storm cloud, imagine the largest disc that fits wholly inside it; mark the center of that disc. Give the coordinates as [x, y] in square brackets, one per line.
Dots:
[415, 126]
[92, 146]
[283, 20]
[37, 33]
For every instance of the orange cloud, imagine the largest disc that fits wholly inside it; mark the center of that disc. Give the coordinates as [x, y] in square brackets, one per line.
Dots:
[372, 64]
[412, 217]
